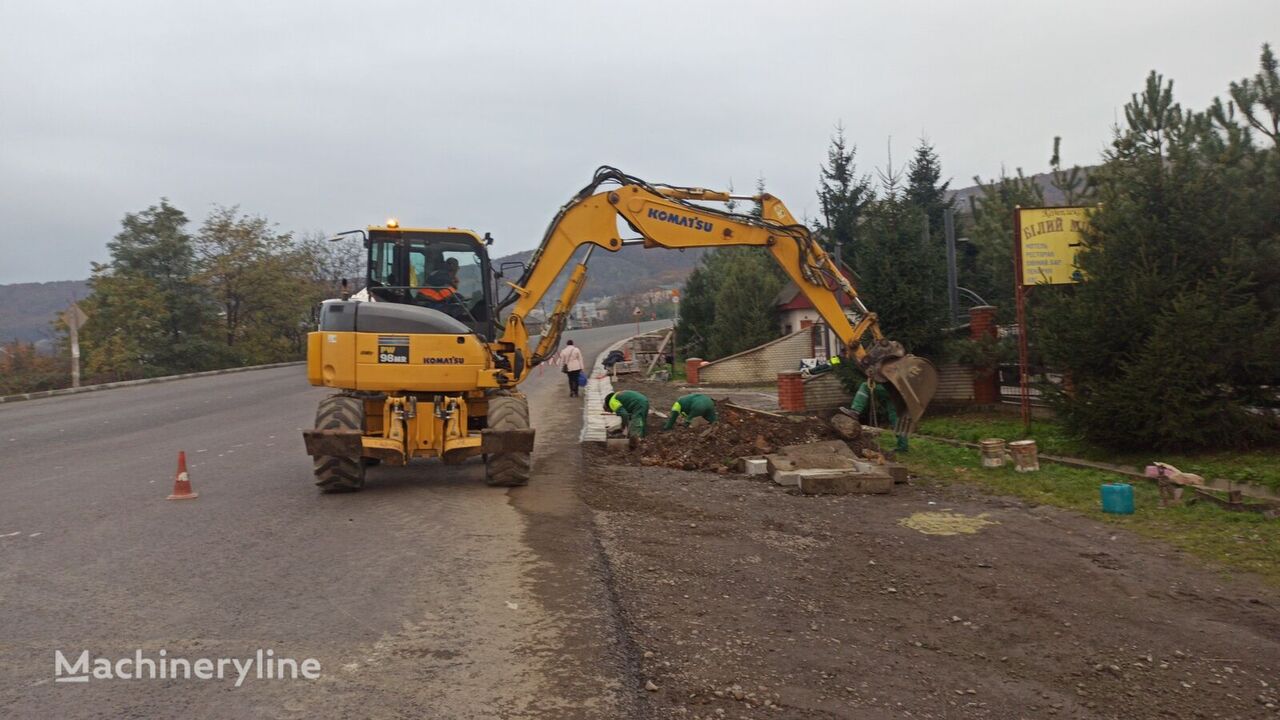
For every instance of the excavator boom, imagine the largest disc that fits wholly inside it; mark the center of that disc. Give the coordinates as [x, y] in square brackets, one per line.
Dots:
[667, 216]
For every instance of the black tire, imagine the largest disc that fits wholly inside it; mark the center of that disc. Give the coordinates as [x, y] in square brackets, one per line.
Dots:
[339, 474]
[507, 412]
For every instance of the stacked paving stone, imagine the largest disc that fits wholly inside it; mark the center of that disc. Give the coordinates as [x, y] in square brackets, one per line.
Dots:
[830, 468]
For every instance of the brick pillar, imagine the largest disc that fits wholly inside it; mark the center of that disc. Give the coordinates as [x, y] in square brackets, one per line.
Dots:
[986, 384]
[691, 366]
[790, 391]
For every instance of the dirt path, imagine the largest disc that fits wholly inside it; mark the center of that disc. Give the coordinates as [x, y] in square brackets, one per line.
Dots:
[747, 601]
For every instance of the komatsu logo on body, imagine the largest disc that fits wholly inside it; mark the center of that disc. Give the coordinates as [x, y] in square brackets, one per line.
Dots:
[681, 220]
[444, 361]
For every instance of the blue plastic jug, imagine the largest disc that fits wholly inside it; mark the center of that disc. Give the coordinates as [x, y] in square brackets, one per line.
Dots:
[1117, 498]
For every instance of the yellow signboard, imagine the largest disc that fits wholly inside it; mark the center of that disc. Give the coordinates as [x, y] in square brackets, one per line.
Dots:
[1049, 239]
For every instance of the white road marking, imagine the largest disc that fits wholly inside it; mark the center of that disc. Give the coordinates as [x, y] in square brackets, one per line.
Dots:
[35, 534]
[11, 534]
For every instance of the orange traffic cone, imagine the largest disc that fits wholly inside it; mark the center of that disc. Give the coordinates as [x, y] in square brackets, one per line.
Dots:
[182, 484]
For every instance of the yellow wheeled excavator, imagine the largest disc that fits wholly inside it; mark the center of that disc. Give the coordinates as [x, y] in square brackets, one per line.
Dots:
[427, 359]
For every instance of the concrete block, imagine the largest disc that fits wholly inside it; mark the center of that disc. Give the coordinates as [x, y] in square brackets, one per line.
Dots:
[779, 463]
[843, 482]
[898, 472]
[755, 466]
[815, 461]
[817, 449]
[786, 478]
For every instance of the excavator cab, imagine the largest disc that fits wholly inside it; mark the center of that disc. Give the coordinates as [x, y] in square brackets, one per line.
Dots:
[444, 270]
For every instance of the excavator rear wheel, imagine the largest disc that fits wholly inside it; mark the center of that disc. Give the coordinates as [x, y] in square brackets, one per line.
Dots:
[509, 469]
[339, 474]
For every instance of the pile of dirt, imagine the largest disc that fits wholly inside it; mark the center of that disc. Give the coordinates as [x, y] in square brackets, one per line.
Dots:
[738, 433]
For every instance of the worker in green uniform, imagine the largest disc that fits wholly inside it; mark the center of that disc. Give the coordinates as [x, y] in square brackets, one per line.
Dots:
[882, 403]
[688, 407]
[632, 407]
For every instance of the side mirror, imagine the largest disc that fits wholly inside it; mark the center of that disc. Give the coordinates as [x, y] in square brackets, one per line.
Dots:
[346, 290]
[488, 239]
[502, 269]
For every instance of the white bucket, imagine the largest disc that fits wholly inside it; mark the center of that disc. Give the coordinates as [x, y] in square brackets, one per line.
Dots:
[1025, 456]
[992, 452]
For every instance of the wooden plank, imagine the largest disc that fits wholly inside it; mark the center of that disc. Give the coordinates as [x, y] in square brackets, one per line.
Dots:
[665, 339]
[757, 411]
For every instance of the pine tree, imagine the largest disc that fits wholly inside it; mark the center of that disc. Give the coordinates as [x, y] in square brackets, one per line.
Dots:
[1171, 338]
[1258, 98]
[902, 276]
[697, 311]
[926, 189]
[757, 208]
[843, 195]
[1071, 183]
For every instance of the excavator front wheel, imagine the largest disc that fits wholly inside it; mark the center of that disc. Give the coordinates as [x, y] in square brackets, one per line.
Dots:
[335, 474]
[507, 469]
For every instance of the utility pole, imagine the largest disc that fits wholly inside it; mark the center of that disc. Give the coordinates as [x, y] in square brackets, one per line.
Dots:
[953, 291]
[675, 323]
[75, 318]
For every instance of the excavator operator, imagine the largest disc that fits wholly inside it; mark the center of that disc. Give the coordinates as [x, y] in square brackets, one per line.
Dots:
[442, 285]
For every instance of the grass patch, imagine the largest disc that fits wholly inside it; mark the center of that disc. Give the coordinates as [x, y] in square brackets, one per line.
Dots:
[1236, 541]
[1256, 466]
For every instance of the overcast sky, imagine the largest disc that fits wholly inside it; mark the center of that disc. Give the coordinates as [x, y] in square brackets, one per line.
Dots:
[325, 116]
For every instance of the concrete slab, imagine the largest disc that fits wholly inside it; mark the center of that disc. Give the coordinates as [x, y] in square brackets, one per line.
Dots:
[817, 449]
[842, 482]
[815, 461]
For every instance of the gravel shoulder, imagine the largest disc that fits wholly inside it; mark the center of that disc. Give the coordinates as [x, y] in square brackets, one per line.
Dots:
[745, 599]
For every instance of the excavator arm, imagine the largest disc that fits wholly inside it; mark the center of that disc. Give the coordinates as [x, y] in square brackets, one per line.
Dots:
[671, 217]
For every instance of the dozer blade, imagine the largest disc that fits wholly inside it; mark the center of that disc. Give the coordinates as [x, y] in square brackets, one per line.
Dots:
[916, 381]
[333, 443]
[506, 441]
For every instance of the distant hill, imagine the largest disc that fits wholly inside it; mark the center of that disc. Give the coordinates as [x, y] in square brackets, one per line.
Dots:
[27, 309]
[632, 269]
[1052, 196]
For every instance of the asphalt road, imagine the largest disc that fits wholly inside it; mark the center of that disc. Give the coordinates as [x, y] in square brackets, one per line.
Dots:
[428, 594]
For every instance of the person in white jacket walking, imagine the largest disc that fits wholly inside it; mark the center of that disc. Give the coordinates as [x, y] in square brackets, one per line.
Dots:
[570, 358]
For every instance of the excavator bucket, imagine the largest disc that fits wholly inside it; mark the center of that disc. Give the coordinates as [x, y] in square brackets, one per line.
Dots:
[916, 381]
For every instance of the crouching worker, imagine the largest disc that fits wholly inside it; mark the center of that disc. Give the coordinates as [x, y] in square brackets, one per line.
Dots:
[633, 408]
[692, 406]
[873, 395]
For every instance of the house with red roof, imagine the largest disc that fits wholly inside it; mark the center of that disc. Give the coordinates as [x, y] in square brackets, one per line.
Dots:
[796, 312]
